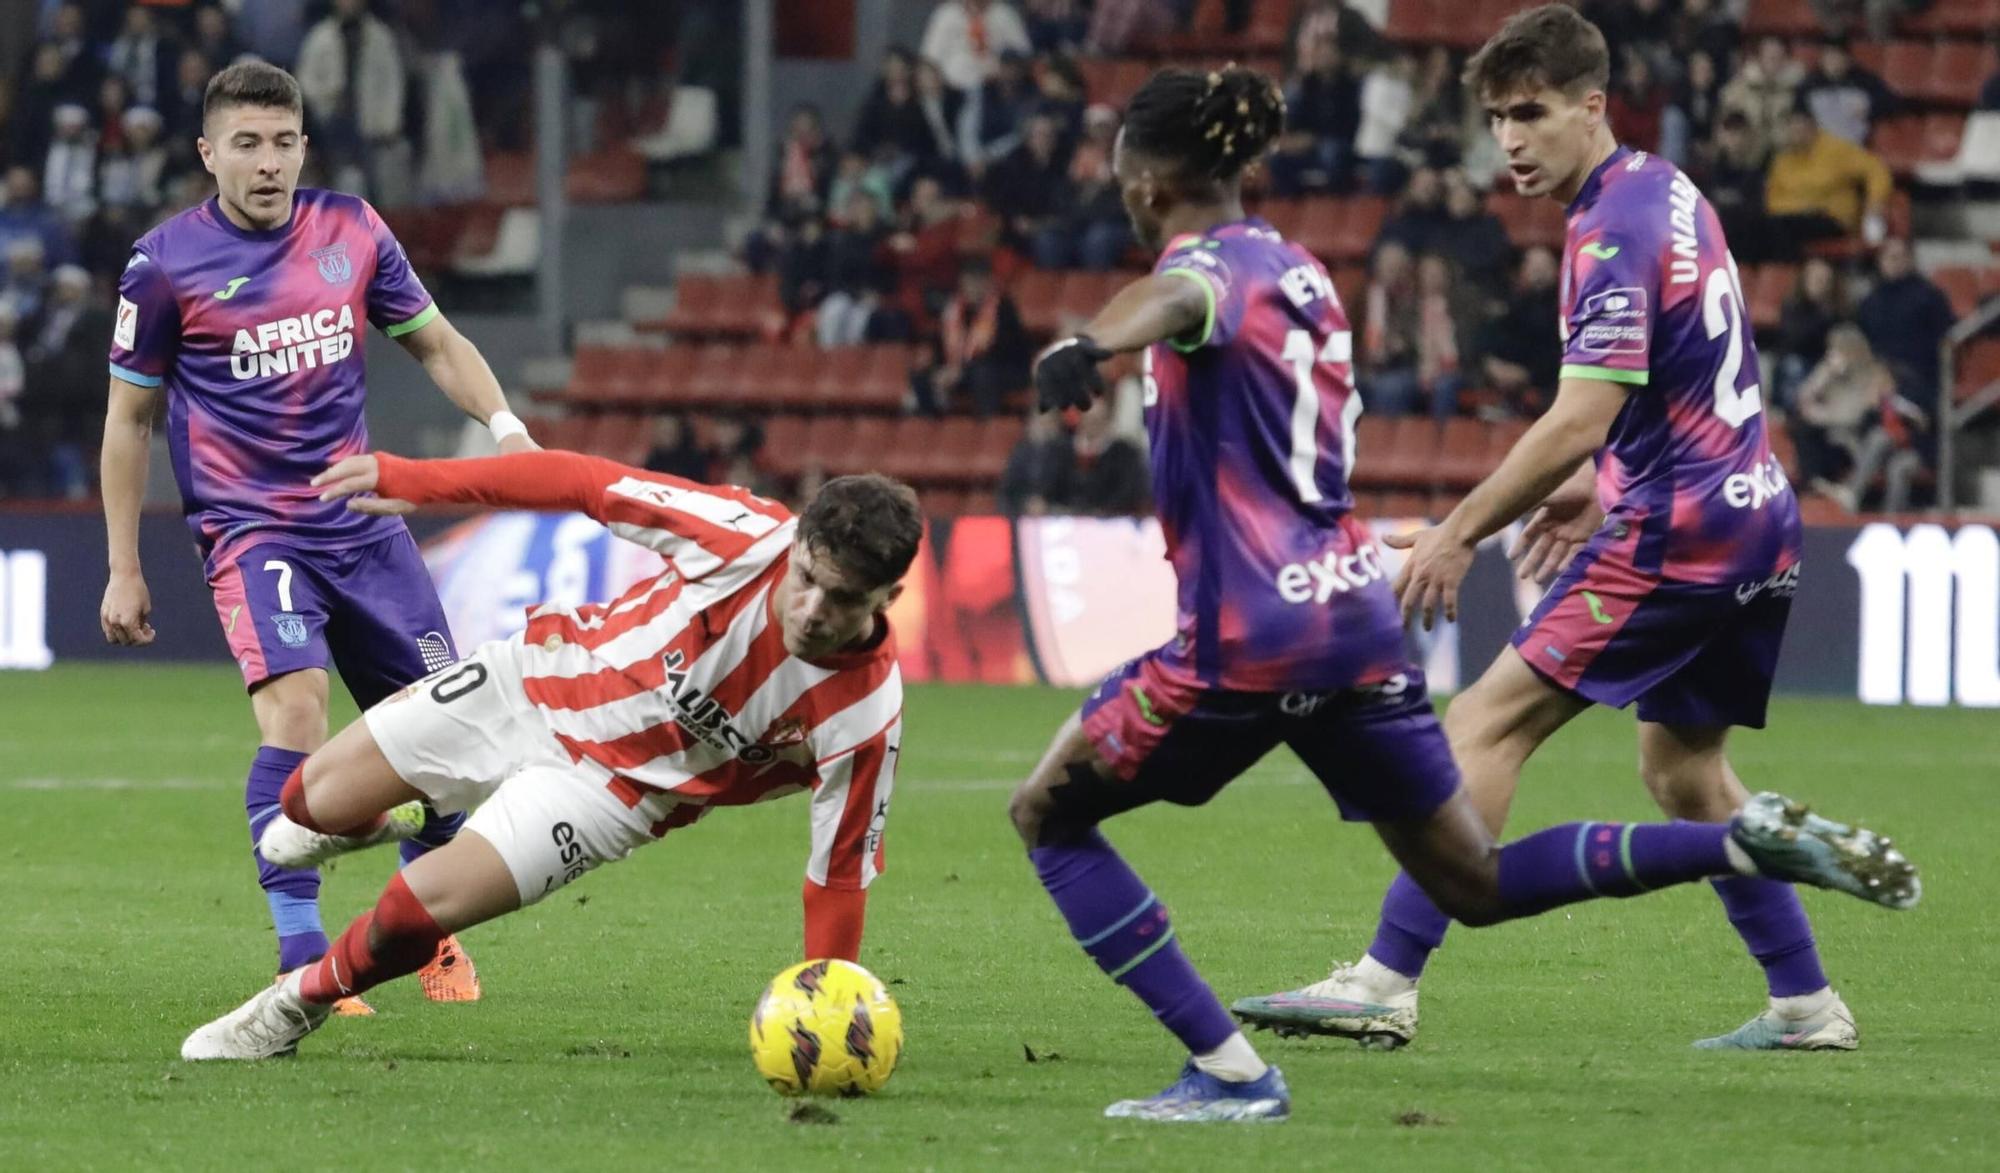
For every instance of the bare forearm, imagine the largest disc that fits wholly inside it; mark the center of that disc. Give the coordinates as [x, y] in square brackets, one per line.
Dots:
[460, 371]
[1148, 311]
[1546, 457]
[122, 467]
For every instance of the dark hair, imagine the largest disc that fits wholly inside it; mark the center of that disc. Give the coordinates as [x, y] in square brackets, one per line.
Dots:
[868, 524]
[252, 83]
[1212, 124]
[1547, 46]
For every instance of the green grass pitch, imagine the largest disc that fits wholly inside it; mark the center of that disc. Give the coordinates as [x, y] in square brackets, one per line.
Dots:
[613, 1030]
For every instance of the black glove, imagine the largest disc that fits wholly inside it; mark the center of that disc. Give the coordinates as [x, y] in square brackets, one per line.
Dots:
[1067, 376]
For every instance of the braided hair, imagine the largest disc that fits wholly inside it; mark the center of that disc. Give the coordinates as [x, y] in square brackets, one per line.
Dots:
[1211, 123]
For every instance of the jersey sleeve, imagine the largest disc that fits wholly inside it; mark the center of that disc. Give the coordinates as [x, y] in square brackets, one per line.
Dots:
[397, 300]
[850, 802]
[699, 528]
[1201, 261]
[1614, 288]
[146, 333]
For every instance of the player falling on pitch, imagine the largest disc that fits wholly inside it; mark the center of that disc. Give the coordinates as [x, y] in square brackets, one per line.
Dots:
[758, 664]
[251, 310]
[1288, 631]
[1679, 595]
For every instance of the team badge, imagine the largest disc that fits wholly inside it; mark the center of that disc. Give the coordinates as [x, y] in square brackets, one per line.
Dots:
[333, 263]
[291, 628]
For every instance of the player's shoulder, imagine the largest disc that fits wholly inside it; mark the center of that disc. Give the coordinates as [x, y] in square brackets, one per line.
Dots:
[187, 234]
[1635, 209]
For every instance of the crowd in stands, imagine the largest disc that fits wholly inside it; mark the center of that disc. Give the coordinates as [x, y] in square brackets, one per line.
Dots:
[990, 117]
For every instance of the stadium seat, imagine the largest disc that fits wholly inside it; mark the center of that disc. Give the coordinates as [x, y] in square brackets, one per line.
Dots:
[830, 443]
[1906, 67]
[1783, 18]
[905, 454]
[1963, 18]
[785, 445]
[1960, 284]
[1402, 504]
[837, 375]
[885, 380]
[1978, 367]
[1037, 294]
[997, 437]
[1958, 69]
[612, 176]
[794, 376]
[1768, 287]
[1900, 143]
[1461, 453]
[1942, 134]
[711, 376]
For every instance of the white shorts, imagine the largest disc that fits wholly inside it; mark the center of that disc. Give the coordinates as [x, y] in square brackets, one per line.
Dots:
[468, 738]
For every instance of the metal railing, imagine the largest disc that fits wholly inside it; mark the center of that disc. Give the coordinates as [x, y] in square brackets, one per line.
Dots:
[1952, 415]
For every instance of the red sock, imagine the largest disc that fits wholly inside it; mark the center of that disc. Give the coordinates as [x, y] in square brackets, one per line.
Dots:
[396, 937]
[292, 800]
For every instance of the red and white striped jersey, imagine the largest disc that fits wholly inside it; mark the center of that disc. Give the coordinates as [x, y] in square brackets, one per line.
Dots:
[682, 689]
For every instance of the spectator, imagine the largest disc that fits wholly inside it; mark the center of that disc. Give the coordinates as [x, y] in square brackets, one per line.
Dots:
[1057, 26]
[1821, 186]
[802, 260]
[1835, 402]
[80, 64]
[1473, 237]
[26, 282]
[1838, 17]
[131, 188]
[17, 450]
[1905, 318]
[45, 87]
[141, 56]
[1687, 125]
[1813, 308]
[804, 172]
[967, 37]
[351, 73]
[1387, 99]
[272, 29]
[1111, 476]
[1703, 27]
[1642, 28]
[924, 252]
[1322, 114]
[1096, 232]
[113, 98]
[1435, 135]
[1041, 469]
[892, 116]
[1845, 98]
[982, 352]
[26, 216]
[735, 440]
[1419, 216]
[675, 450]
[65, 364]
[1122, 26]
[1637, 104]
[943, 109]
[69, 175]
[1447, 318]
[857, 177]
[1765, 89]
[1060, 95]
[990, 124]
[1523, 353]
[183, 108]
[1387, 372]
[1734, 180]
[213, 36]
[857, 274]
[1359, 40]
[1889, 434]
[1029, 188]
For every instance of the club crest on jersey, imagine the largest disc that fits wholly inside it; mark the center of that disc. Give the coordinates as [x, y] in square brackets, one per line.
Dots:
[291, 628]
[333, 263]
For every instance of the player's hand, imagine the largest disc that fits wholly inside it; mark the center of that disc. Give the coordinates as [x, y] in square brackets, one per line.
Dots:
[1431, 575]
[1555, 532]
[1066, 374]
[522, 443]
[359, 474]
[127, 611]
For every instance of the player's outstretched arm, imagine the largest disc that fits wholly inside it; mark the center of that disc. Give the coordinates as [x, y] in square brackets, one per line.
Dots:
[1148, 310]
[1546, 456]
[126, 613]
[460, 371]
[525, 480]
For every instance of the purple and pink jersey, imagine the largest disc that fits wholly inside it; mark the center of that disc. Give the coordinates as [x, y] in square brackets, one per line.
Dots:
[1251, 420]
[257, 337]
[1651, 299]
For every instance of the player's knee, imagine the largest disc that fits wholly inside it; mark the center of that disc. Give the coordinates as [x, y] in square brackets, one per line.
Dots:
[1025, 810]
[293, 722]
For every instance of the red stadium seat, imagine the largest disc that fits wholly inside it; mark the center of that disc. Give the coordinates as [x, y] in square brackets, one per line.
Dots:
[1978, 366]
[786, 438]
[1900, 143]
[830, 444]
[510, 178]
[1942, 133]
[906, 453]
[1372, 460]
[1906, 66]
[795, 377]
[1963, 18]
[997, 437]
[1402, 504]
[1958, 69]
[1773, 284]
[1784, 18]
[885, 380]
[712, 375]
[1461, 453]
[611, 176]
[838, 376]
[1037, 294]
[1961, 285]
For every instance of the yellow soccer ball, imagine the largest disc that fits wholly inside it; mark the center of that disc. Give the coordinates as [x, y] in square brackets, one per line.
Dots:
[826, 1028]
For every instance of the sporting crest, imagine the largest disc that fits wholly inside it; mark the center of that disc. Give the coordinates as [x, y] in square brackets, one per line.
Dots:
[291, 628]
[333, 263]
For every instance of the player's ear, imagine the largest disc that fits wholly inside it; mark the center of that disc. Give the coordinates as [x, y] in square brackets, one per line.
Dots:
[888, 599]
[207, 152]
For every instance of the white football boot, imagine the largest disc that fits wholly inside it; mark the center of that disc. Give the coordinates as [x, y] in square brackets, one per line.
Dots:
[1366, 1001]
[1794, 1024]
[268, 1025]
[286, 844]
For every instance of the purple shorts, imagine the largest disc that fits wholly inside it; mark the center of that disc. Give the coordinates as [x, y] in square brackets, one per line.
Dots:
[369, 611]
[1377, 748]
[1688, 653]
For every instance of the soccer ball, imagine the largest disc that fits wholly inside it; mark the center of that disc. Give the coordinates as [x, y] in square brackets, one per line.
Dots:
[826, 1028]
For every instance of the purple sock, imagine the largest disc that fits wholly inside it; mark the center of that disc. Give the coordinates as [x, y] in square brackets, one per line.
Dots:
[1583, 861]
[1773, 925]
[1125, 930]
[437, 831]
[293, 896]
[1410, 930]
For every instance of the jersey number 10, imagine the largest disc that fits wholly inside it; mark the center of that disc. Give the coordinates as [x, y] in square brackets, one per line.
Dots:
[1722, 309]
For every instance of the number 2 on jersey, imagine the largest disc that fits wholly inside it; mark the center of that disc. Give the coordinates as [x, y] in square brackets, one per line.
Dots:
[1339, 348]
[1722, 309]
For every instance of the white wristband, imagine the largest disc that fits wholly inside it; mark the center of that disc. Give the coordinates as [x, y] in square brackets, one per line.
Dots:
[505, 424]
